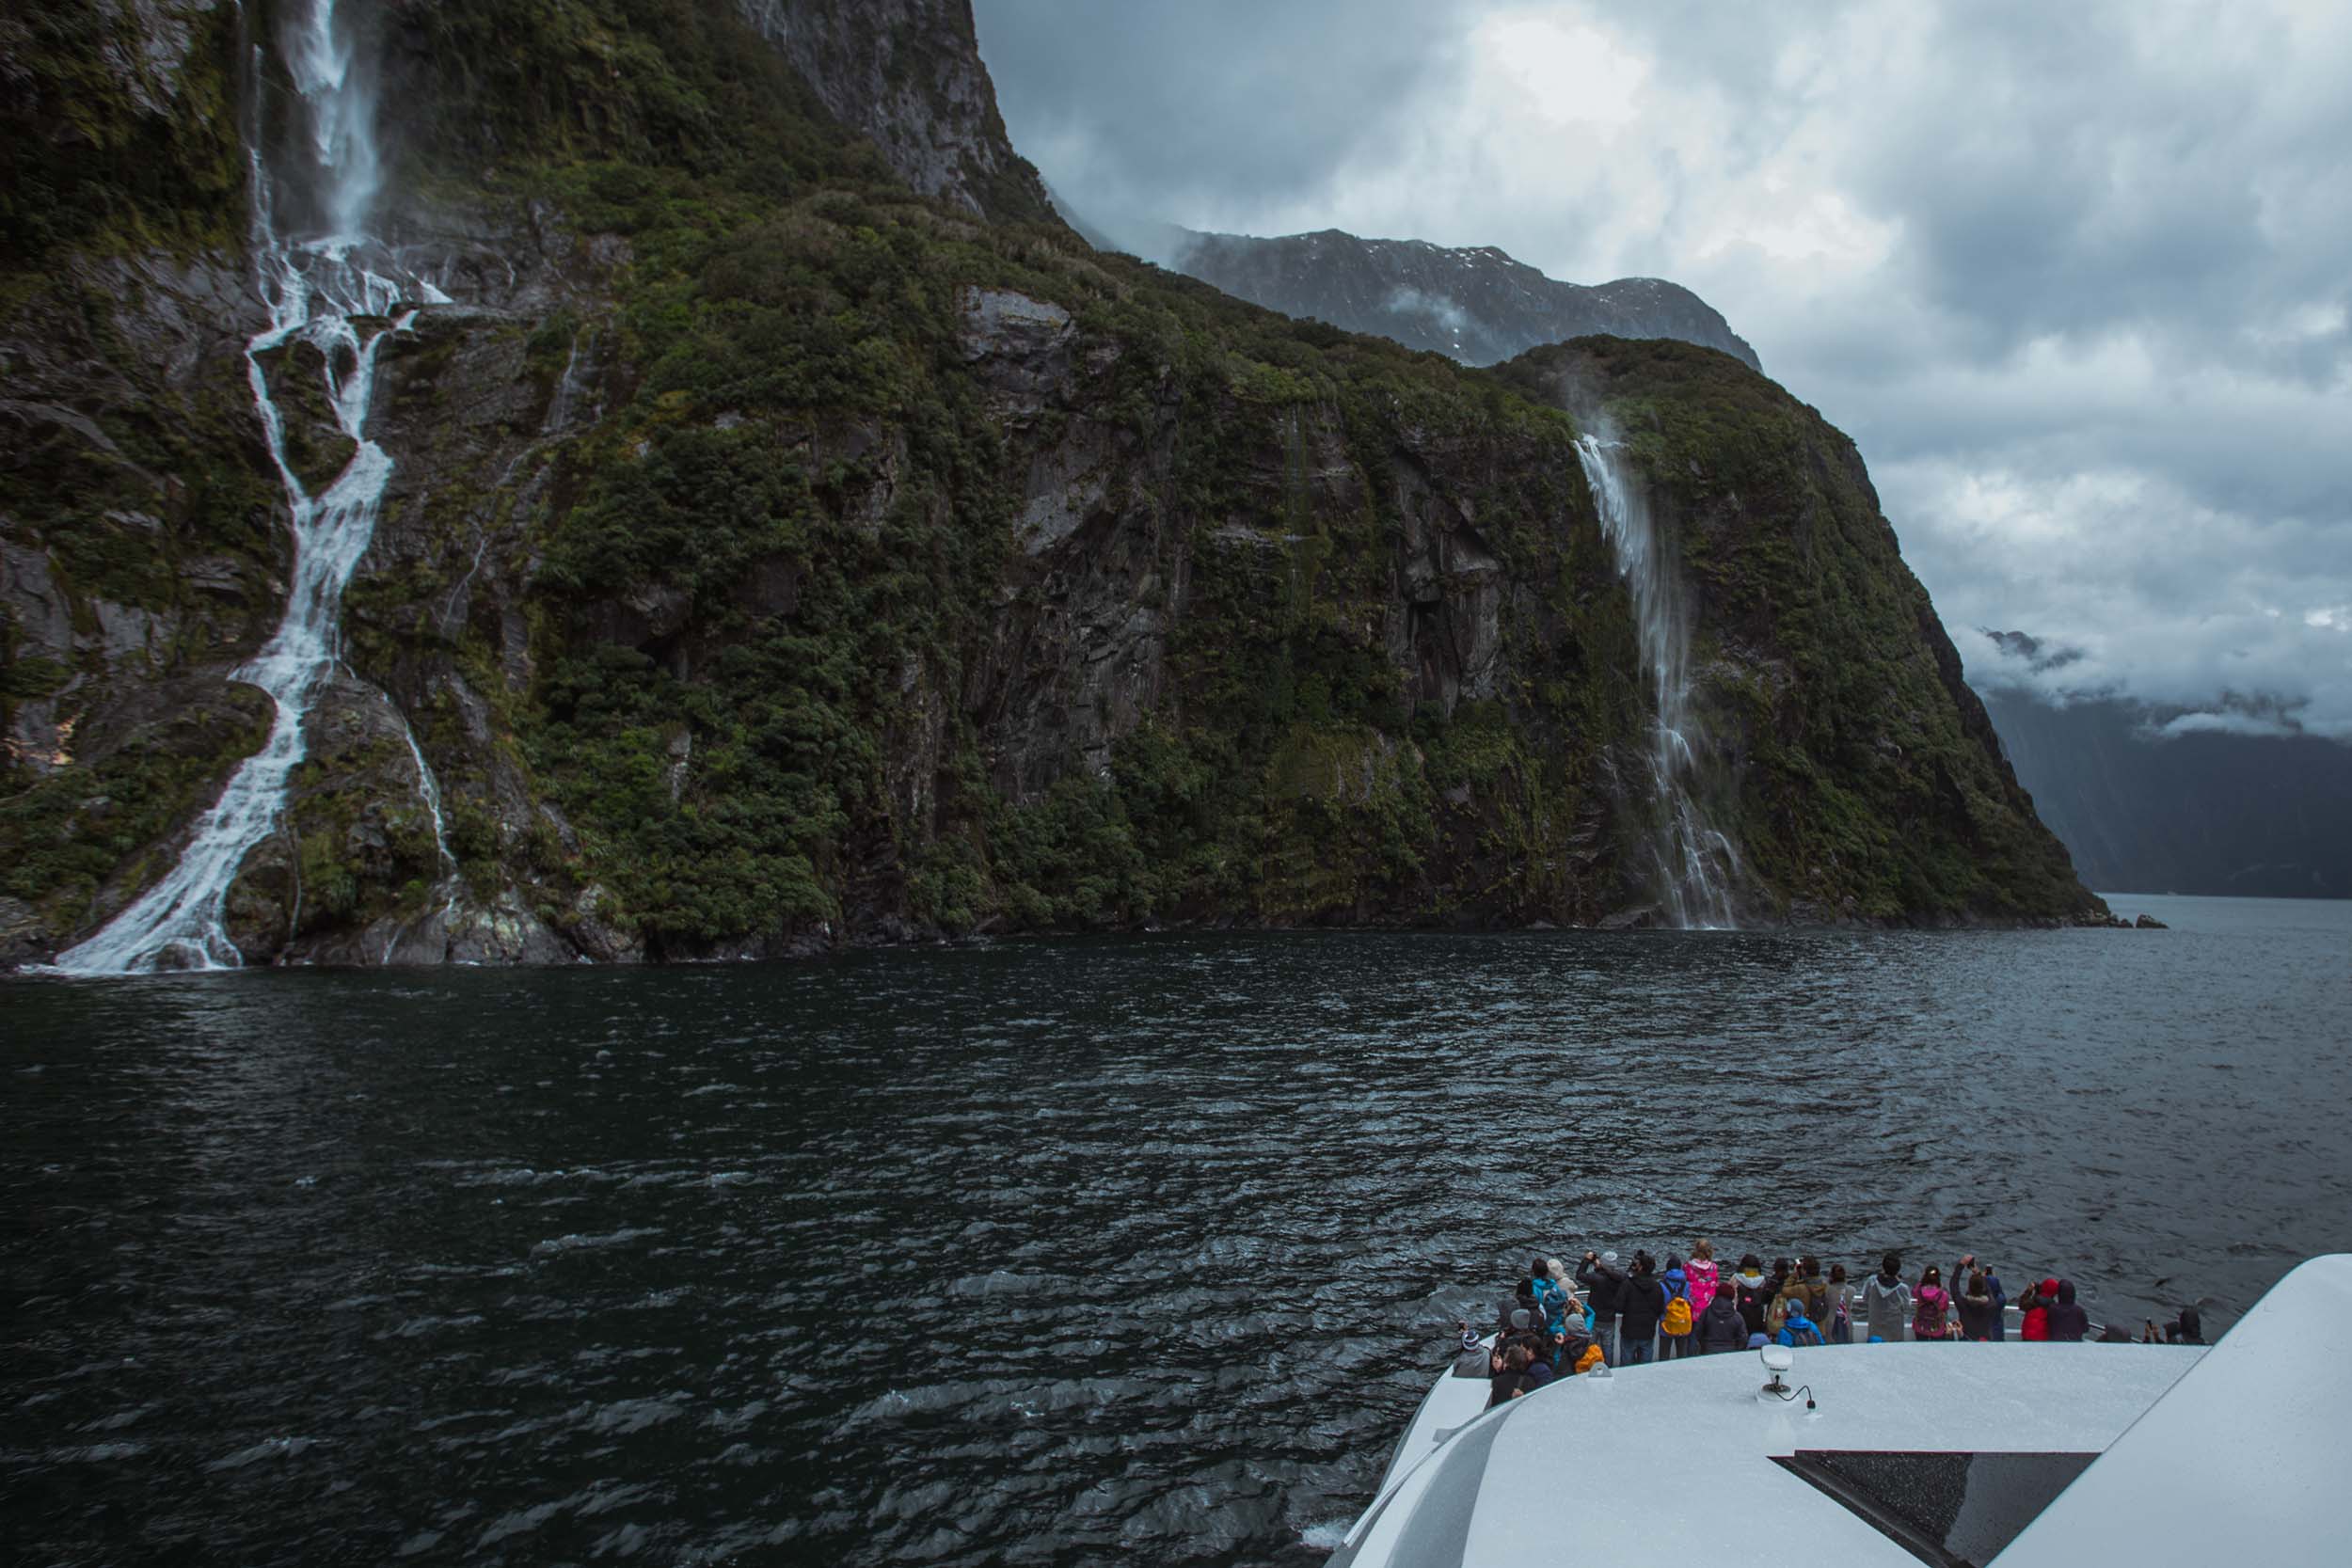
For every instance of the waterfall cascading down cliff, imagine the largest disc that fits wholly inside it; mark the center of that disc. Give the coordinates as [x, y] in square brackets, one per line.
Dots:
[326, 290]
[1695, 864]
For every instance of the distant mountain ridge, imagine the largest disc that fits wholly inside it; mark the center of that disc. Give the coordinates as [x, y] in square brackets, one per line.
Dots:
[1475, 304]
[2204, 813]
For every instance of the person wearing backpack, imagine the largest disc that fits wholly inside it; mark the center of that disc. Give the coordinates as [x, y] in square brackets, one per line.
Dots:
[1792, 1297]
[1886, 1300]
[1795, 1327]
[1674, 1339]
[1550, 1299]
[1721, 1327]
[1816, 1290]
[1932, 1303]
[1640, 1303]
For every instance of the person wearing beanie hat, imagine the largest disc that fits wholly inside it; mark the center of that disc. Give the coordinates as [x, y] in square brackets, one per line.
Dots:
[1795, 1327]
[1567, 1287]
[1792, 1298]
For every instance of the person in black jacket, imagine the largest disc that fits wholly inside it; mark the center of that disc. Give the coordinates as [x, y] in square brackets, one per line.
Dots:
[1641, 1301]
[1752, 1292]
[1601, 1281]
[1721, 1327]
[2068, 1322]
[1508, 1379]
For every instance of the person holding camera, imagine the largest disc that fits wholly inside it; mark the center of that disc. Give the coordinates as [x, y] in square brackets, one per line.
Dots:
[1602, 1280]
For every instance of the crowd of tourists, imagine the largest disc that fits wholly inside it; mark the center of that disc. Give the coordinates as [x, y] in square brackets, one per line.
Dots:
[1622, 1313]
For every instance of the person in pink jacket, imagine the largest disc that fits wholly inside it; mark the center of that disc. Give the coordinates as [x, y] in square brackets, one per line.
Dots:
[1703, 1280]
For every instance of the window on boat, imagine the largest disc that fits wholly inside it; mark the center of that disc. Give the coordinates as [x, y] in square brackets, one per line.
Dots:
[1953, 1509]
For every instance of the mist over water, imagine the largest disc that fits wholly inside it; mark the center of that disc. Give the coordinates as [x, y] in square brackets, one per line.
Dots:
[1044, 1252]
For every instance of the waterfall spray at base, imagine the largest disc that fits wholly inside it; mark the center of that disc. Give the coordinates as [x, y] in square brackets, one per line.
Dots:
[1695, 864]
[318, 291]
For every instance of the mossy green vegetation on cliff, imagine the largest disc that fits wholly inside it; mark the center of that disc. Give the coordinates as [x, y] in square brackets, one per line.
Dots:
[118, 130]
[1859, 771]
[809, 492]
[777, 556]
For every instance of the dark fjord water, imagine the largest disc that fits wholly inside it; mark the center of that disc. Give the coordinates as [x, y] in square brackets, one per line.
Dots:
[1044, 1253]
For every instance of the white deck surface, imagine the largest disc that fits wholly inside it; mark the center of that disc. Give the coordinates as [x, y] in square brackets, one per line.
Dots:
[2245, 1460]
[1654, 1460]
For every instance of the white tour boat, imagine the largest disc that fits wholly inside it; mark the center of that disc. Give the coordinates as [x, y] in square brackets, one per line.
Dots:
[2031, 1455]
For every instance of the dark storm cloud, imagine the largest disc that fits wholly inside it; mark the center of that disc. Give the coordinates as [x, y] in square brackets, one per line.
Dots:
[2073, 276]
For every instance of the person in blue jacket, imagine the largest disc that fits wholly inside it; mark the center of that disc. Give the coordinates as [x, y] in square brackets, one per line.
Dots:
[1798, 1329]
[1549, 1298]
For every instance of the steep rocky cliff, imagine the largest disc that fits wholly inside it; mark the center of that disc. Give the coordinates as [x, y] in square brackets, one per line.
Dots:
[1852, 765]
[777, 556]
[907, 73]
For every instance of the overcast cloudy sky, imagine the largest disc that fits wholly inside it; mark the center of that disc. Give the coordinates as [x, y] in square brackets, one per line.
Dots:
[2076, 275]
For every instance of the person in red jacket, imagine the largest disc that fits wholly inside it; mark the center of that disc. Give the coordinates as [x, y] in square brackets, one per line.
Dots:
[2035, 1321]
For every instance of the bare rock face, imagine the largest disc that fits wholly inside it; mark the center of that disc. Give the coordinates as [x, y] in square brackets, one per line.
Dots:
[150, 46]
[907, 74]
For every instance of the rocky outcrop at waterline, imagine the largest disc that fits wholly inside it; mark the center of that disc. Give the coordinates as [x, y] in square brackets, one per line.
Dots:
[775, 557]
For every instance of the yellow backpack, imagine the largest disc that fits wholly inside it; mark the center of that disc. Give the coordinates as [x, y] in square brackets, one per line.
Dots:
[1678, 1319]
[1587, 1361]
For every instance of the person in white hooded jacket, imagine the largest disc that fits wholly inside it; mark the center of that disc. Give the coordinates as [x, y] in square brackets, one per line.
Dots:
[1886, 1301]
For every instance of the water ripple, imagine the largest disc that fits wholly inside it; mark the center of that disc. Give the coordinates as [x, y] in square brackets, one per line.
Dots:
[1042, 1251]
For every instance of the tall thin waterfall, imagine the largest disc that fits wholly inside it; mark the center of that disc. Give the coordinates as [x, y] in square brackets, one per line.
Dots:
[1694, 863]
[323, 290]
